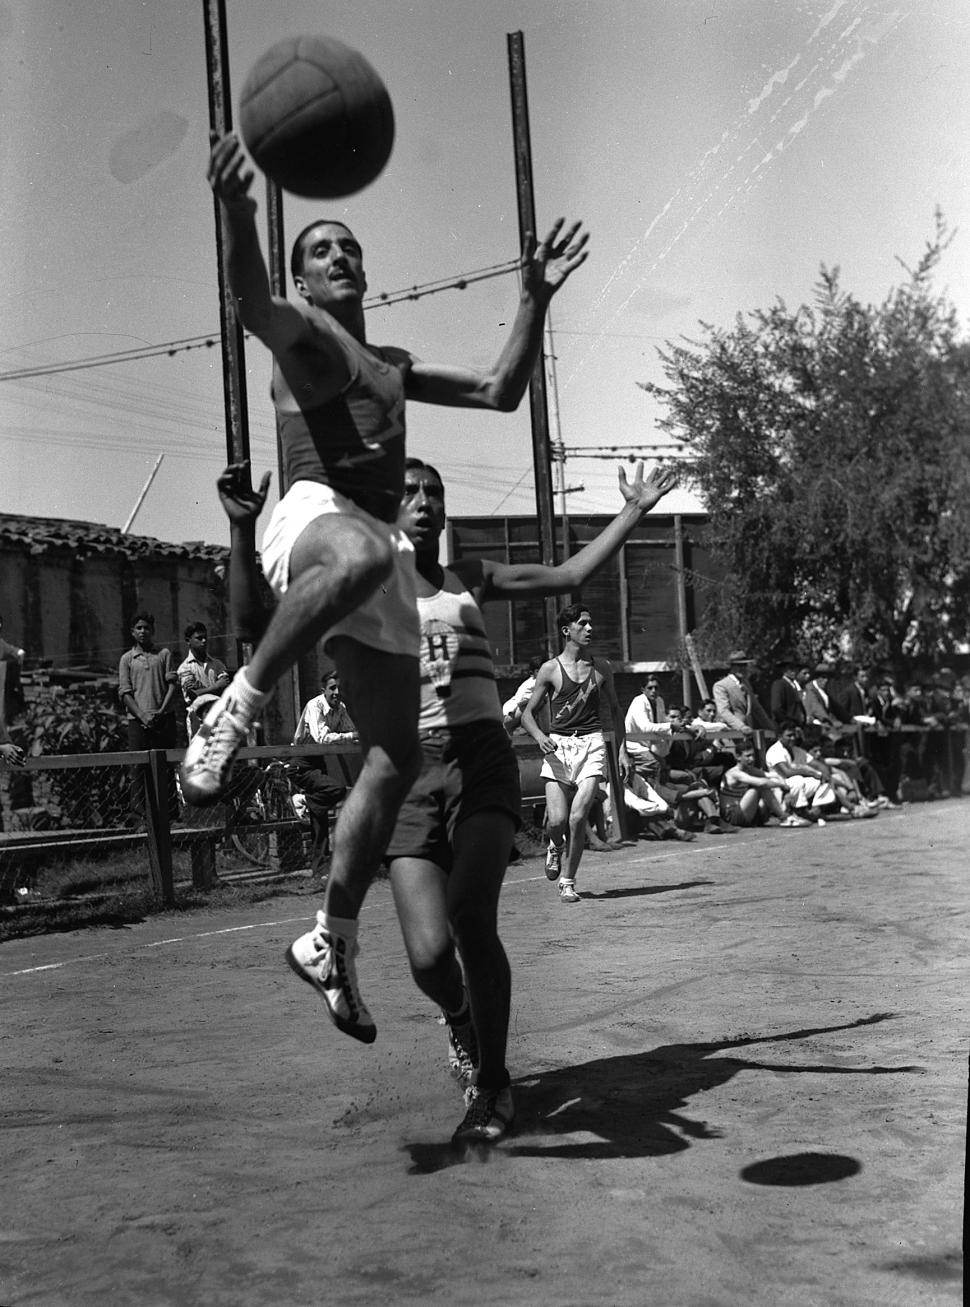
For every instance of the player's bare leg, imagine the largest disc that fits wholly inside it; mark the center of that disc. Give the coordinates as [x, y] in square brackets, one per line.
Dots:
[336, 563]
[381, 693]
[579, 809]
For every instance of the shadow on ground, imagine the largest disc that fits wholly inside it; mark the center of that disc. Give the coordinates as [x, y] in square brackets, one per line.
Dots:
[630, 1105]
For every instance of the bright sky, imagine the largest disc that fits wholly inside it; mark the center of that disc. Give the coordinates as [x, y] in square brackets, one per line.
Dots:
[718, 151]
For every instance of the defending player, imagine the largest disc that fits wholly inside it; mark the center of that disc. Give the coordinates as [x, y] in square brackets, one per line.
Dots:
[454, 833]
[344, 571]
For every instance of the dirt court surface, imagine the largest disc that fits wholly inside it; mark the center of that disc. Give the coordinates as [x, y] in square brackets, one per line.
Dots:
[739, 1066]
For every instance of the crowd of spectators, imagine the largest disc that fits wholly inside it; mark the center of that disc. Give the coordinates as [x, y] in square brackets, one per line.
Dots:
[835, 740]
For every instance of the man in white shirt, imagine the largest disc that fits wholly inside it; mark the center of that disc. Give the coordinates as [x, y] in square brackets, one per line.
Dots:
[325, 720]
[647, 711]
[809, 792]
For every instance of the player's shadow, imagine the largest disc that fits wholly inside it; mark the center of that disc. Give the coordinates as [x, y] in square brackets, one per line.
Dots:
[640, 891]
[631, 1104]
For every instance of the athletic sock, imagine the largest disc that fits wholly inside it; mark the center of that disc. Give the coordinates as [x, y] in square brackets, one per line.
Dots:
[248, 699]
[345, 927]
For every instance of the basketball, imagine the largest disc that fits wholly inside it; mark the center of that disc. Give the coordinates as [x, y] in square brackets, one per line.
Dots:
[316, 117]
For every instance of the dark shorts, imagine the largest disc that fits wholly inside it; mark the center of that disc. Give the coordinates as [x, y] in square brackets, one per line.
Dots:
[467, 769]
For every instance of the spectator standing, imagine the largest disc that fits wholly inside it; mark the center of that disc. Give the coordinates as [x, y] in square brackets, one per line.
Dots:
[12, 705]
[786, 694]
[822, 714]
[884, 740]
[324, 720]
[147, 684]
[738, 707]
[202, 678]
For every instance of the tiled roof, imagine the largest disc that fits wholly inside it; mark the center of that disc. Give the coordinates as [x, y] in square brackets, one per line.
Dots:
[41, 535]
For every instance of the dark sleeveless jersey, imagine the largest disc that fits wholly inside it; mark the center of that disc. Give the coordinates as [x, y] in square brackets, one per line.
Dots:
[355, 441]
[575, 707]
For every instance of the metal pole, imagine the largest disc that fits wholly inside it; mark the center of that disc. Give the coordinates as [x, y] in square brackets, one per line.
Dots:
[557, 447]
[537, 386]
[141, 498]
[681, 601]
[292, 680]
[233, 345]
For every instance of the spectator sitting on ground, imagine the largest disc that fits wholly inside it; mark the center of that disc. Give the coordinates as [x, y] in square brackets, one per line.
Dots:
[714, 749]
[786, 701]
[738, 707]
[683, 769]
[752, 797]
[809, 794]
[201, 677]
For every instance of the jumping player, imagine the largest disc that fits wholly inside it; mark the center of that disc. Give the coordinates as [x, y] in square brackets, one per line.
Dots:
[343, 570]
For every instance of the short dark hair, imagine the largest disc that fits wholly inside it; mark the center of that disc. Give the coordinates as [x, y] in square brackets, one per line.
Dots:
[677, 708]
[411, 462]
[571, 613]
[708, 703]
[296, 253]
[787, 724]
[193, 628]
[143, 616]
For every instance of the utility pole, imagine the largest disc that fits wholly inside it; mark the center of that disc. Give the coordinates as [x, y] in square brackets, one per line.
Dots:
[233, 345]
[541, 452]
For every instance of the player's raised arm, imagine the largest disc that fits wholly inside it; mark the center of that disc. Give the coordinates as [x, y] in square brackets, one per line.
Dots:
[545, 268]
[273, 320]
[514, 580]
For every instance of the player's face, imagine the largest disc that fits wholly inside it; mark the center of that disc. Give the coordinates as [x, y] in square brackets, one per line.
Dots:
[708, 711]
[331, 692]
[580, 631]
[199, 644]
[422, 514]
[141, 633]
[333, 266]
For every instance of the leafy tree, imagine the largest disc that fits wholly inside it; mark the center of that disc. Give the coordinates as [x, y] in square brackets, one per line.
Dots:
[830, 445]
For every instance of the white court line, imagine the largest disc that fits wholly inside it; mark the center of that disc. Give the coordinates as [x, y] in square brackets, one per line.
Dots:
[288, 921]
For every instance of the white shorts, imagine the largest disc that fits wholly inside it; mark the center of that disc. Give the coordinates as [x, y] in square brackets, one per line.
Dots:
[577, 758]
[388, 619]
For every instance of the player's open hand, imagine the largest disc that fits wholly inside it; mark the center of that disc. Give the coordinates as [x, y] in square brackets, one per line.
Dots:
[12, 755]
[241, 502]
[546, 266]
[229, 172]
[645, 491]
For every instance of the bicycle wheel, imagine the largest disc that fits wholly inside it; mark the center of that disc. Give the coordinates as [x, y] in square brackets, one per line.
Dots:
[253, 845]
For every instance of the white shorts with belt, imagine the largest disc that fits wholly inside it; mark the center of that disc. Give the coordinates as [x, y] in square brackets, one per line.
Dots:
[387, 619]
[577, 758]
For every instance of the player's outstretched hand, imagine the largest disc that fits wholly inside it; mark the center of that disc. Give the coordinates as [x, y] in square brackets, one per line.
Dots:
[546, 266]
[242, 503]
[229, 172]
[645, 491]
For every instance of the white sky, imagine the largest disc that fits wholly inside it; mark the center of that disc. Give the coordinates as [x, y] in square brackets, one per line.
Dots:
[718, 150]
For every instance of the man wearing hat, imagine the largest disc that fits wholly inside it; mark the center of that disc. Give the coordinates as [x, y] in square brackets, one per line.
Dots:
[822, 713]
[738, 707]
